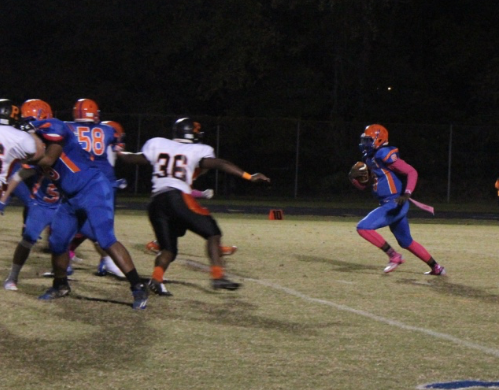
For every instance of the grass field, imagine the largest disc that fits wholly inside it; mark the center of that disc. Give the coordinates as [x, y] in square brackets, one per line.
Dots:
[315, 312]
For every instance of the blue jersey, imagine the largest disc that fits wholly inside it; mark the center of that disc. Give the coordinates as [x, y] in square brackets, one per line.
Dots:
[73, 169]
[97, 140]
[44, 191]
[388, 184]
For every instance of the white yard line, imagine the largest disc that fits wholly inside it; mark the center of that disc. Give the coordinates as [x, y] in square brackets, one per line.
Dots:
[398, 324]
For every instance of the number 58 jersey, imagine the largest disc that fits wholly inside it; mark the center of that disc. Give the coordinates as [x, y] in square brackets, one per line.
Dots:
[174, 163]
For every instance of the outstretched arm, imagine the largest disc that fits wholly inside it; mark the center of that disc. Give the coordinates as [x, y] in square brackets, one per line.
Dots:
[14, 180]
[231, 168]
[133, 158]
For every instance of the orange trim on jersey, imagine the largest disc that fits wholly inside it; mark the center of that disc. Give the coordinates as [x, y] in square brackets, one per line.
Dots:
[193, 205]
[390, 153]
[389, 179]
[70, 164]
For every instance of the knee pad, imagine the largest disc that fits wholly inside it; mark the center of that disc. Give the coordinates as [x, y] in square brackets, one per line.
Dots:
[26, 244]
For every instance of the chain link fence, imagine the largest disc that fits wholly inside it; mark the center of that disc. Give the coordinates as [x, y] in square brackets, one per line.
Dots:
[311, 159]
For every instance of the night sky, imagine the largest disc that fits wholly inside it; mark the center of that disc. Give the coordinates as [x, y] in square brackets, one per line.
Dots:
[407, 60]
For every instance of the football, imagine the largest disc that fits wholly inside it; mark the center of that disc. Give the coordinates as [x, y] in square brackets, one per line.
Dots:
[360, 172]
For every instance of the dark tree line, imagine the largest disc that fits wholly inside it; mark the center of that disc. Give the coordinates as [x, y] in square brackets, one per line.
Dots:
[412, 61]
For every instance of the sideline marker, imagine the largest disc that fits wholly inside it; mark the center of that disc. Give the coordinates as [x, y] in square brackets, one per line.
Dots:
[276, 214]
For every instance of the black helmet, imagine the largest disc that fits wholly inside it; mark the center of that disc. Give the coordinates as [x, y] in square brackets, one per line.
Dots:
[186, 130]
[9, 113]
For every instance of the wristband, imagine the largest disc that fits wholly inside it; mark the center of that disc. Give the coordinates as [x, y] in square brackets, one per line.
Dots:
[246, 176]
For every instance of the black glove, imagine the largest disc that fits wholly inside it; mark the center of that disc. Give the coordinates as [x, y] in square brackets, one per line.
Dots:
[402, 199]
[24, 124]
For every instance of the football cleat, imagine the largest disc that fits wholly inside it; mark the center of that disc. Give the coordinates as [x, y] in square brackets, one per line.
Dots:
[437, 270]
[227, 250]
[158, 288]
[394, 262]
[153, 246]
[140, 296]
[108, 267]
[73, 258]
[54, 293]
[224, 284]
[10, 285]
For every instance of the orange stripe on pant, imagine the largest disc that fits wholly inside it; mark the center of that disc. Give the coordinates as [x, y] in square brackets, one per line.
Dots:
[194, 205]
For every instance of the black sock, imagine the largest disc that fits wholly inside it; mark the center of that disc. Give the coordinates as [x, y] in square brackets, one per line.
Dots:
[133, 277]
[60, 282]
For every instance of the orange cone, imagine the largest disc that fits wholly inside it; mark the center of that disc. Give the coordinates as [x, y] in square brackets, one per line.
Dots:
[276, 214]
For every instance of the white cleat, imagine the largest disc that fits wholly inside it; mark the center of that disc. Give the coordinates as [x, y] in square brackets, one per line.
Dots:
[393, 263]
[112, 268]
[10, 285]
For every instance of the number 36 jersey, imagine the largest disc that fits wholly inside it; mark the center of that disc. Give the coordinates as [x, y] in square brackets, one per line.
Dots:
[174, 163]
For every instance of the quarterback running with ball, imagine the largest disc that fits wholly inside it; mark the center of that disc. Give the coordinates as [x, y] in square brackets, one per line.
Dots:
[393, 181]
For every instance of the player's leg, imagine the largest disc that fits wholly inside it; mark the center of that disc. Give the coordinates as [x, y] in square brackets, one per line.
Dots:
[376, 219]
[37, 219]
[402, 233]
[166, 239]
[77, 240]
[198, 220]
[97, 201]
[64, 227]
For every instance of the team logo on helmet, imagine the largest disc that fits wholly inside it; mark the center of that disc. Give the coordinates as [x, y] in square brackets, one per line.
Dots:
[9, 113]
[36, 108]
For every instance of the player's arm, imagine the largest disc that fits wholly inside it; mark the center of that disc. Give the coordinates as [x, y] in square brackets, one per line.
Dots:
[52, 152]
[231, 168]
[14, 181]
[132, 158]
[402, 168]
[40, 150]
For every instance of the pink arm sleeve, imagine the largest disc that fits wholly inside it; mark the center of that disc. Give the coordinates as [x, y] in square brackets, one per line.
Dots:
[401, 167]
[197, 194]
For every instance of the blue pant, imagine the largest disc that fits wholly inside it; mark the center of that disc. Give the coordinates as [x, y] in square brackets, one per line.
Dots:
[392, 215]
[94, 205]
[38, 218]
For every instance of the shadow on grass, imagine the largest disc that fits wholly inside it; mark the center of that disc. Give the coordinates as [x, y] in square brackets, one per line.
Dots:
[339, 265]
[444, 286]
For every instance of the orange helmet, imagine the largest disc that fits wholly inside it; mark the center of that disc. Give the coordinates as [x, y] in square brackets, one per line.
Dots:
[373, 137]
[36, 108]
[86, 110]
[118, 129]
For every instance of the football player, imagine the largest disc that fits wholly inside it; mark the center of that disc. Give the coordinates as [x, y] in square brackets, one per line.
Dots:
[393, 181]
[173, 210]
[99, 140]
[44, 199]
[15, 145]
[88, 198]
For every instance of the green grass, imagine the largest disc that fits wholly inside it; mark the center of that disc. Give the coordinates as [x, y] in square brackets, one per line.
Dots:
[315, 312]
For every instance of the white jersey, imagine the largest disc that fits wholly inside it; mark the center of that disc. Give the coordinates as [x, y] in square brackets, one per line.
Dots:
[174, 163]
[14, 145]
